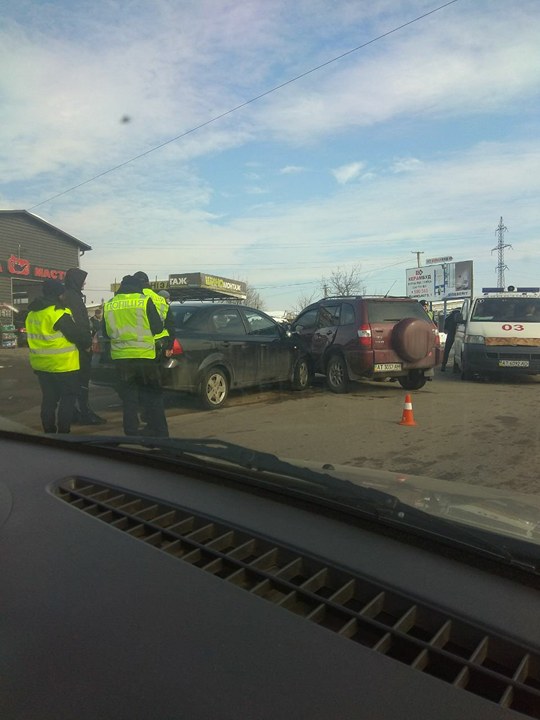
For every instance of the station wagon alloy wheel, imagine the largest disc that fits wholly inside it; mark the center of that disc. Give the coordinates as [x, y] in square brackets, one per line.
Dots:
[214, 388]
[301, 375]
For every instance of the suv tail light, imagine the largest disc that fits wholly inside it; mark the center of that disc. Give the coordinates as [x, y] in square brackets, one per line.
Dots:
[177, 348]
[364, 336]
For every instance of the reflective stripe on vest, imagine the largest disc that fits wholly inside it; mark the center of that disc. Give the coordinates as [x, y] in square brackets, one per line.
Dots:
[128, 327]
[162, 306]
[49, 349]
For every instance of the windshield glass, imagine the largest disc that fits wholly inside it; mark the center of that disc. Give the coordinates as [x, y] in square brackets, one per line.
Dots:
[507, 310]
[258, 223]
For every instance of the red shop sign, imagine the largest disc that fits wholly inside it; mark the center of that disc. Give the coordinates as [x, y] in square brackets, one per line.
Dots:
[23, 268]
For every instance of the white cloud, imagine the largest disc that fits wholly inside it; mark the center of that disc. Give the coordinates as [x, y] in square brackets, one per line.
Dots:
[181, 65]
[482, 60]
[291, 170]
[451, 207]
[256, 190]
[406, 165]
[346, 173]
[70, 74]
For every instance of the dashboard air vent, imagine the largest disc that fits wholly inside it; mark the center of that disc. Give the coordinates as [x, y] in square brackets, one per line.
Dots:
[354, 607]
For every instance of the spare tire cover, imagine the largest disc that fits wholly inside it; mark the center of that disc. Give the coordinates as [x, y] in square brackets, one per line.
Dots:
[413, 338]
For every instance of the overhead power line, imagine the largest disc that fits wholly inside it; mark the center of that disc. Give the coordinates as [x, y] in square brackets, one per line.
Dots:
[244, 104]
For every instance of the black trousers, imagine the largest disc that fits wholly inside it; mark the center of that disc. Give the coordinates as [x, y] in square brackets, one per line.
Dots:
[85, 361]
[58, 395]
[447, 347]
[139, 384]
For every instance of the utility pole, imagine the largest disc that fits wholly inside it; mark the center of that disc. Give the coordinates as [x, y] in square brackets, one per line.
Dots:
[417, 253]
[501, 267]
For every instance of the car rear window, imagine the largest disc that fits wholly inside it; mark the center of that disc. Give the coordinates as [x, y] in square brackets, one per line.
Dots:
[186, 316]
[394, 311]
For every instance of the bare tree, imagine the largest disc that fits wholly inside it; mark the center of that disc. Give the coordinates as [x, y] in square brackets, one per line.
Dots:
[344, 282]
[253, 298]
[302, 302]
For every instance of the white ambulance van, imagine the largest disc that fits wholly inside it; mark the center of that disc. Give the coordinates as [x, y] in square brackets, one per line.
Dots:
[499, 333]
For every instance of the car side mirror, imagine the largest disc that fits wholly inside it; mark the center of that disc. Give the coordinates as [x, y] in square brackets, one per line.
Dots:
[284, 329]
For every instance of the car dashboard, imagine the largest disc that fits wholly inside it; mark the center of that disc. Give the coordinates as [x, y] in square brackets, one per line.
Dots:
[134, 588]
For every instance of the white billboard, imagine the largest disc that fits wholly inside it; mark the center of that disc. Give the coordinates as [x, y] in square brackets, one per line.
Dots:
[445, 281]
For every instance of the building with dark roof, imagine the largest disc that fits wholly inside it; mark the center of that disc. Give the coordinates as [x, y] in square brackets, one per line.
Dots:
[31, 250]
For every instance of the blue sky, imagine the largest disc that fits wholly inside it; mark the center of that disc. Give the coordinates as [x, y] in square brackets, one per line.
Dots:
[421, 140]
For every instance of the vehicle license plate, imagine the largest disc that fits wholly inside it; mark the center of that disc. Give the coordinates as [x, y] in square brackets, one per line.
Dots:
[513, 363]
[387, 367]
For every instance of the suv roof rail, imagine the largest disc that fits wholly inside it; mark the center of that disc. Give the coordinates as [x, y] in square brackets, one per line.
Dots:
[362, 297]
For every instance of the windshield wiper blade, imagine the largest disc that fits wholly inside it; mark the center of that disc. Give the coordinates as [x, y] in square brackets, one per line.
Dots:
[343, 494]
[256, 461]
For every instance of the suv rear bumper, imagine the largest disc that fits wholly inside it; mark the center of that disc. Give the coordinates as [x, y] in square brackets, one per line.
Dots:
[501, 359]
[384, 363]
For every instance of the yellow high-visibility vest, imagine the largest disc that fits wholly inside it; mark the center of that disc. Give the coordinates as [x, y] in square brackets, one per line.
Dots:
[162, 306]
[50, 350]
[128, 327]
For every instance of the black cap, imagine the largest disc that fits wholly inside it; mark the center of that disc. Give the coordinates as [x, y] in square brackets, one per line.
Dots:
[141, 276]
[52, 288]
[129, 284]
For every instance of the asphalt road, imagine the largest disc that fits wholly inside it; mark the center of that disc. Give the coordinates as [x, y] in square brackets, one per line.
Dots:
[485, 433]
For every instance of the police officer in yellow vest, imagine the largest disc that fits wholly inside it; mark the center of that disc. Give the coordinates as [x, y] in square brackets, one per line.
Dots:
[131, 321]
[54, 341]
[165, 338]
[429, 311]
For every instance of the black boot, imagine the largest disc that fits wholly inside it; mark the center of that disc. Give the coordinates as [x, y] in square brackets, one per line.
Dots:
[91, 418]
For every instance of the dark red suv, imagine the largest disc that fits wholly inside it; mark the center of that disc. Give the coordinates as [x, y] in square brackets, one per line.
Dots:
[349, 338]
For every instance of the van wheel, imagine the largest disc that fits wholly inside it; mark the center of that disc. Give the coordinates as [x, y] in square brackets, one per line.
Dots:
[337, 377]
[413, 381]
[466, 373]
[214, 388]
[301, 378]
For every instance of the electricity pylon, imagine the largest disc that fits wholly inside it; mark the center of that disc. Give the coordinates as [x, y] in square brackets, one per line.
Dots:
[501, 245]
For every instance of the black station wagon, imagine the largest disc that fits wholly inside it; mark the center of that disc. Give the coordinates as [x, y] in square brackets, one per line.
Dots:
[219, 347]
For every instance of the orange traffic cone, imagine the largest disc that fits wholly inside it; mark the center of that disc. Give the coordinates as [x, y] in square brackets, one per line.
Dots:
[407, 418]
